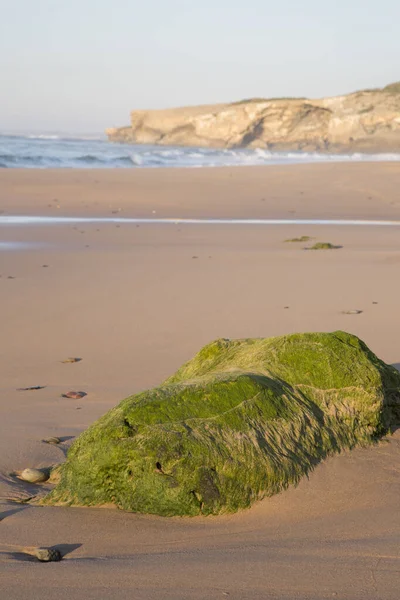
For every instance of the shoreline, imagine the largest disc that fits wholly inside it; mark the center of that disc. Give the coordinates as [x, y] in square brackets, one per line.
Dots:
[326, 191]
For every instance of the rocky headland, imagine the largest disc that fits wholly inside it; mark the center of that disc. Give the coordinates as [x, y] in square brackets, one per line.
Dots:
[364, 121]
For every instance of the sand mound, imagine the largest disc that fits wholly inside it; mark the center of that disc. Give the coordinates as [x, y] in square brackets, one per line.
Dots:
[242, 420]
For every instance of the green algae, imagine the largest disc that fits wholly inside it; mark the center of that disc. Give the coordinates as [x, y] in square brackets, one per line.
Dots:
[240, 421]
[303, 238]
[324, 246]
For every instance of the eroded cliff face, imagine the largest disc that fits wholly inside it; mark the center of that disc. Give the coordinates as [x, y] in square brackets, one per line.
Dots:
[364, 121]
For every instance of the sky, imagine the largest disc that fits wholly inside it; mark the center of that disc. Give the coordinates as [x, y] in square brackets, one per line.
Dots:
[83, 65]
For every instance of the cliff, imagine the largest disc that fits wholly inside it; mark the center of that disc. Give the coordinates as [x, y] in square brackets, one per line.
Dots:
[367, 120]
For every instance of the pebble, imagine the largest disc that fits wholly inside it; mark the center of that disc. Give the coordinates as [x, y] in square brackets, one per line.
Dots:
[34, 475]
[352, 312]
[52, 440]
[47, 554]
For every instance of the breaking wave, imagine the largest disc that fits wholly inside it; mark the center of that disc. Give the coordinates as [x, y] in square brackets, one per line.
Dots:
[56, 151]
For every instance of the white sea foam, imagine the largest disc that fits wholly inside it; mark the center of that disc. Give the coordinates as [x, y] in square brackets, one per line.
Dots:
[44, 220]
[57, 150]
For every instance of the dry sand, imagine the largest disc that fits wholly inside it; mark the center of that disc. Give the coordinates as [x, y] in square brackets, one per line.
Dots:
[134, 304]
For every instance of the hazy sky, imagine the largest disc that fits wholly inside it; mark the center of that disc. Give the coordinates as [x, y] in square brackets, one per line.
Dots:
[82, 65]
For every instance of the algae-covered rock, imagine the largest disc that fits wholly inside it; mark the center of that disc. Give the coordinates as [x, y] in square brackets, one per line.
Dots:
[242, 420]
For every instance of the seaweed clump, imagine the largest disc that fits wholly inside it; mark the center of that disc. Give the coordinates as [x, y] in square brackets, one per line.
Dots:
[240, 421]
[303, 238]
[324, 246]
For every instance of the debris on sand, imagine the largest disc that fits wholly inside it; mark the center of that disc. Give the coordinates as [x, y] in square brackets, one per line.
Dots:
[303, 238]
[74, 395]
[73, 359]
[30, 388]
[324, 246]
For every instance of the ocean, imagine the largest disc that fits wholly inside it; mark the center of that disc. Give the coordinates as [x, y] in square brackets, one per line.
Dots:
[61, 151]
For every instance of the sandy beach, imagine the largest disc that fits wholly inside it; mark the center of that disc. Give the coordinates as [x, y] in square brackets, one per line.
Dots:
[135, 301]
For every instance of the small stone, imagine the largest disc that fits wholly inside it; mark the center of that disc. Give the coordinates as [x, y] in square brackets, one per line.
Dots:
[52, 440]
[47, 554]
[34, 475]
[352, 312]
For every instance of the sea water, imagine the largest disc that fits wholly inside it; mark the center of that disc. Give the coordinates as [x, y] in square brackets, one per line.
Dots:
[59, 151]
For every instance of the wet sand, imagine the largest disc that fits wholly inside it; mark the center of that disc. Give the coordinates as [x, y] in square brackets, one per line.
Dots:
[134, 303]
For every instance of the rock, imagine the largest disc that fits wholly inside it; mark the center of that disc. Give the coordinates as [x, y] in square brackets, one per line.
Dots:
[120, 134]
[47, 554]
[363, 121]
[34, 475]
[240, 421]
[52, 440]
